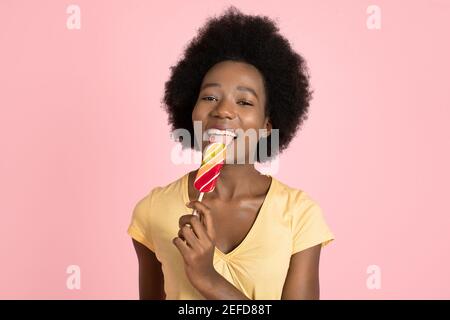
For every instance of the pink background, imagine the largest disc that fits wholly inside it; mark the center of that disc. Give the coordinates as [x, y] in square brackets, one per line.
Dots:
[83, 138]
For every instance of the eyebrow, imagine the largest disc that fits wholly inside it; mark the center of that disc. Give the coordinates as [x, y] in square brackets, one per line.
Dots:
[211, 84]
[240, 88]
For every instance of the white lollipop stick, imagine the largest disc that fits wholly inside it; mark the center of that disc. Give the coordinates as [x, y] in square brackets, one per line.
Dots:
[200, 197]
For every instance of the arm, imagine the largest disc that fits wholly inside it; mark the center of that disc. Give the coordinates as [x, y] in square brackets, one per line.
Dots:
[220, 289]
[302, 280]
[151, 279]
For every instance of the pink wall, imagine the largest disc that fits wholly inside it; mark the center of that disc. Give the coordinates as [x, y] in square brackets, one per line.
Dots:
[83, 137]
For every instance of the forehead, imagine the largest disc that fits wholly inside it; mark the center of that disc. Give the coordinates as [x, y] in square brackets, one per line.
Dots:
[235, 73]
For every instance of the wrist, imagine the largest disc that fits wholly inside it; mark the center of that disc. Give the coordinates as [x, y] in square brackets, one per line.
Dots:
[209, 282]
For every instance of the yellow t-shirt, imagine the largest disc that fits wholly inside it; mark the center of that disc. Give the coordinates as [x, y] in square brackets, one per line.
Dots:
[289, 221]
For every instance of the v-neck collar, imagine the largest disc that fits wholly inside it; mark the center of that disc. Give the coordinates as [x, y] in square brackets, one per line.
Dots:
[259, 216]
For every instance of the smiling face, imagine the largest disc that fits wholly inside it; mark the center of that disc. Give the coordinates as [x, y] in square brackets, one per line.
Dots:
[232, 96]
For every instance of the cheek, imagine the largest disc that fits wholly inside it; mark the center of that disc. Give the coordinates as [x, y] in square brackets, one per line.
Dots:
[252, 120]
[199, 112]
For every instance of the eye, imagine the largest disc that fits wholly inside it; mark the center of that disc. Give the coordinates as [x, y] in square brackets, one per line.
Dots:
[245, 103]
[209, 98]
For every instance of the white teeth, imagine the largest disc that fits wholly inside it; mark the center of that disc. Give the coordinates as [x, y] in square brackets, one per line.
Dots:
[227, 132]
[223, 136]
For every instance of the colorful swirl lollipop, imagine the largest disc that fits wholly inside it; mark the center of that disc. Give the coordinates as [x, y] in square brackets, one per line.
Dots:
[213, 160]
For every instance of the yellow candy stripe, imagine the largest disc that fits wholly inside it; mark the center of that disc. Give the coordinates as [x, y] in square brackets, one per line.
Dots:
[212, 151]
[211, 159]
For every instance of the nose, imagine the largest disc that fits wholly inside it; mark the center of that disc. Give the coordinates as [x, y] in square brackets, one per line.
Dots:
[224, 109]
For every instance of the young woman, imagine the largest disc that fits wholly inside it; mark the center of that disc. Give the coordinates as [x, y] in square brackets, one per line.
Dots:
[256, 237]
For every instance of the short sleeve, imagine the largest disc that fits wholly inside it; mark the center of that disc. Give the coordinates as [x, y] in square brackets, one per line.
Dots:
[140, 226]
[309, 225]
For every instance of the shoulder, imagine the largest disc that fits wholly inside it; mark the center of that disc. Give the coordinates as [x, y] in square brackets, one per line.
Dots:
[307, 221]
[297, 205]
[294, 198]
[156, 198]
[161, 195]
[175, 188]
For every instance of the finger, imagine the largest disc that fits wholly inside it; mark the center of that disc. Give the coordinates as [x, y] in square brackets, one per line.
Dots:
[199, 228]
[182, 247]
[190, 237]
[180, 235]
[206, 217]
[195, 212]
[184, 220]
[197, 205]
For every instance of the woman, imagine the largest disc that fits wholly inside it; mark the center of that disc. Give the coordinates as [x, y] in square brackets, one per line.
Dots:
[256, 237]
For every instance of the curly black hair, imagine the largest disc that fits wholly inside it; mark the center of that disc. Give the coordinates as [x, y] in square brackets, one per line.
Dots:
[244, 38]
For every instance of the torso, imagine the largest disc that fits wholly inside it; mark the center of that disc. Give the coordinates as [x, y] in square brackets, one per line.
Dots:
[233, 219]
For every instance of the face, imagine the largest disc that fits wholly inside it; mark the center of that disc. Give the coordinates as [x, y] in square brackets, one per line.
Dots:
[232, 96]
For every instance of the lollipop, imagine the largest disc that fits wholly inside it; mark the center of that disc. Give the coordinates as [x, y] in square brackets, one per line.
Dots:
[213, 160]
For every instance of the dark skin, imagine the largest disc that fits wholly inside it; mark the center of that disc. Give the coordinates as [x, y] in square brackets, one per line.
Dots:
[232, 94]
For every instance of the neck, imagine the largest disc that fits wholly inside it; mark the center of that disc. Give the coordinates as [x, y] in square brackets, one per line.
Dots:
[231, 183]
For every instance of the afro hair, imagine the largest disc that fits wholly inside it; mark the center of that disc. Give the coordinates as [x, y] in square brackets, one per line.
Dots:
[244, 38]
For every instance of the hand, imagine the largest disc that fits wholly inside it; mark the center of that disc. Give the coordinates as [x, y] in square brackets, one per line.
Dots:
[197, 245]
